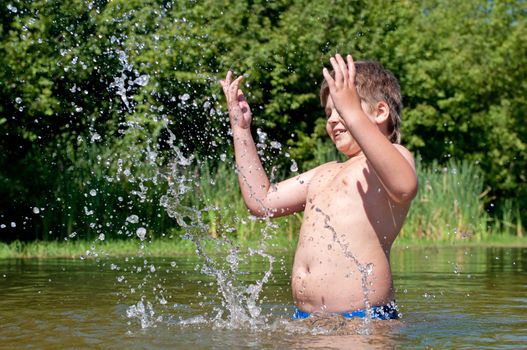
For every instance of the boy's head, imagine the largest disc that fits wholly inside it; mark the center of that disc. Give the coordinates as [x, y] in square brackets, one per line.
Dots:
[375, 84]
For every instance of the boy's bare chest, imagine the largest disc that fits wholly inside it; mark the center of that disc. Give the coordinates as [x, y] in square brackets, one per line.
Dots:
[342, 179]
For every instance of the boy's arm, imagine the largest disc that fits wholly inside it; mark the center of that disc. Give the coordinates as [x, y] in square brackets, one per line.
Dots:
[393, 164]
[261, 198]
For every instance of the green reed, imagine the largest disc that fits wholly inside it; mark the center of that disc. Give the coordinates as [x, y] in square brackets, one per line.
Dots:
[220, 202]
[450, 206]
[87, 198]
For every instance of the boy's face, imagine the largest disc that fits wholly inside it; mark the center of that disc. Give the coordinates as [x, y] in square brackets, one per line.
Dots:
[339, 133]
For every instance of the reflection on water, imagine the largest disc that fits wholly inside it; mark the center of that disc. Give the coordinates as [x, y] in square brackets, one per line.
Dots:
[449, 297]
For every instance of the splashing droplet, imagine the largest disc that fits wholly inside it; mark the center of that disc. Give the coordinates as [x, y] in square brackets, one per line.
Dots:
[141, 233]
[294, 166]
[134, 219]
[142, 80]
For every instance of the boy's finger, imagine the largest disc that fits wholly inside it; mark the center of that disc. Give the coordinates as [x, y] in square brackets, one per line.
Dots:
[329, 79]
[235, 84]
[351, 68]
[342, 66]
[228, 78]
[336, 69]
[241, 96]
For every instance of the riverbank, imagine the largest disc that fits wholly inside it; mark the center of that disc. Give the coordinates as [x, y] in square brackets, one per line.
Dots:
[177, 247]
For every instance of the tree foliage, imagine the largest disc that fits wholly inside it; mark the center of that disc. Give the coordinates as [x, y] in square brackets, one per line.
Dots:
[90, 87]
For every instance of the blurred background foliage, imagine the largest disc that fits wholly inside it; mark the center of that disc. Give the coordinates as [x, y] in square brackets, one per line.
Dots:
[100, 99]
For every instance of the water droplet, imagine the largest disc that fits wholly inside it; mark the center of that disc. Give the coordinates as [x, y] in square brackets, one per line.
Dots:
[13, 224]
[276, 145]
[134, 219]
[294, 166]
[184, 97]
[36, 210]
[18, 100]
[142, 80]
[93, 193]
[101, 237]
[141, 233]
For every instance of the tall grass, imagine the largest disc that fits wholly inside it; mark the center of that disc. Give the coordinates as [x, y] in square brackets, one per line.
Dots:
[449, 206]
[223, 211]
[88, 197]
[449, 203]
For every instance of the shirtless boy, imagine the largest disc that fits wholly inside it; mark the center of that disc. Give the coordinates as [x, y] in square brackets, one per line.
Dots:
[353, 210]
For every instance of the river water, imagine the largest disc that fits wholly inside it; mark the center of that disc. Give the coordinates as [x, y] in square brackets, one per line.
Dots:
[450, 297]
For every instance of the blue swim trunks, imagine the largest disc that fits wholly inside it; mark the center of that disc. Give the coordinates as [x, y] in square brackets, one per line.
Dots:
[384, 312]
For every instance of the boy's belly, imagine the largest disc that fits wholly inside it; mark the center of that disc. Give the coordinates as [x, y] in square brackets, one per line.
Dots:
[334, 282]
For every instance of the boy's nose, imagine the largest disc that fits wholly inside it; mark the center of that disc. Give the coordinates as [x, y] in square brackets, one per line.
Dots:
[334, 118]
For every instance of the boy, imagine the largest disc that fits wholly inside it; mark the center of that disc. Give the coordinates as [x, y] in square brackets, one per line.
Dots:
[353, 210]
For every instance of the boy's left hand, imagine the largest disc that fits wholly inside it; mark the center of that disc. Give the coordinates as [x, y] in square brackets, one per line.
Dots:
[342, 87]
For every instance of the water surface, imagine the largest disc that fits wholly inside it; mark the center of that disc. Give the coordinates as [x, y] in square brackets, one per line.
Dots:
[450, 297]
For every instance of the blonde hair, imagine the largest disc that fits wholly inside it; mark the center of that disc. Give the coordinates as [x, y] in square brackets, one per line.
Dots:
[375, 84]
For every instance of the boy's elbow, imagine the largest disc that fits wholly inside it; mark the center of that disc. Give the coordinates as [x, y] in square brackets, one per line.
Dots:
[258, 212]
[261, 211]
[406, 194]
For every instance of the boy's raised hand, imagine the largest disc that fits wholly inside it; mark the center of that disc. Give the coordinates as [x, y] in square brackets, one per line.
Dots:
[239, 110]
[342, 87]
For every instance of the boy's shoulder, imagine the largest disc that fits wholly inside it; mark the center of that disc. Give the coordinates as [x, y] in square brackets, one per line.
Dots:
[405, 153]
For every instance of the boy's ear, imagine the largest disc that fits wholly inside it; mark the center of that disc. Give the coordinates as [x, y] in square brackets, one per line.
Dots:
[382, 113]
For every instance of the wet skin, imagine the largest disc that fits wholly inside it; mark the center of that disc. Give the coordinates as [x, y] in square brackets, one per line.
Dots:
[349, 222]
[353, 210]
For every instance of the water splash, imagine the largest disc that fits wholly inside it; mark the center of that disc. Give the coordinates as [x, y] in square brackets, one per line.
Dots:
[145, 313]
[238, 305]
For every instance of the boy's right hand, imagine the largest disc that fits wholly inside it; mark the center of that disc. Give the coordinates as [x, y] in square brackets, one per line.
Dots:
[239, 110]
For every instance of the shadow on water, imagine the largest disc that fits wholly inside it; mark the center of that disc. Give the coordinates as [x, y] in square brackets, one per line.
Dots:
[449, 297]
